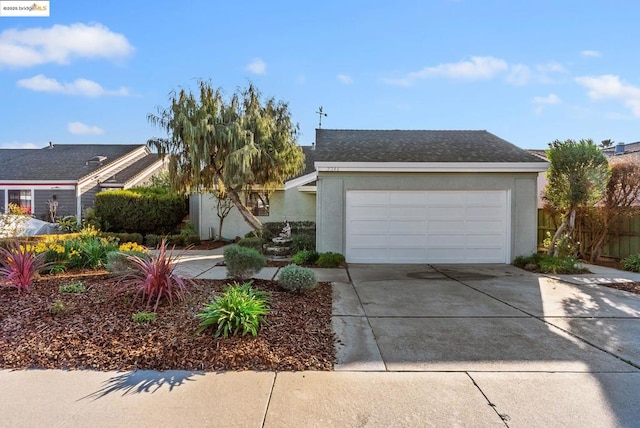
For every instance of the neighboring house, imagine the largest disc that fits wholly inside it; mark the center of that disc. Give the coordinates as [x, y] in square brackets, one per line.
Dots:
[294, 201]
[417, 196]
[71, 175]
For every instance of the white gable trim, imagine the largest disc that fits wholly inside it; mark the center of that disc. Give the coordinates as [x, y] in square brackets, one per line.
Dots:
[431, 166]
[301, 181]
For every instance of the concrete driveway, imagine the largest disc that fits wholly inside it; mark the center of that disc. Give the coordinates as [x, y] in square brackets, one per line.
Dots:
[527, 341]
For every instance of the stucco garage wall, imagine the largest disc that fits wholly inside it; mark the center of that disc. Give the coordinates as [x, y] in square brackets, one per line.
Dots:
[332, 188]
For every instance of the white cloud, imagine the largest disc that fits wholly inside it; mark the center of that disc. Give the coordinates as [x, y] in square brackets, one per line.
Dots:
[60, 44]
[17, 145]
[479, 68]
[609, 86]
[83, 87]
[79, 128]
[257, 66]
[543, 101]
[344, 78]
[519, 74]
[482, 68]
[590, 53]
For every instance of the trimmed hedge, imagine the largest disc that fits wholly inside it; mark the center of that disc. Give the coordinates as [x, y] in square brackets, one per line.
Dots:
[140, 210]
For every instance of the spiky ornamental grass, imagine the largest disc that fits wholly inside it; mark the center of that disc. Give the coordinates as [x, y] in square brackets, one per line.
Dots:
[239, 309]
[20, 265]
[154, 278]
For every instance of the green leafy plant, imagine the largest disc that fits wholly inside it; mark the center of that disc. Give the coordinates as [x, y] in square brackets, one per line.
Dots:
[152, 240]
[252, 242]
[58, 308]
[305, 257]
[239, 309]
[302, 242]
[154, 278]
[73, 287]
[330, 260]
[631, 263]
[243, 262]
[144, 317]
[94, 251]
[20, 265]
[547, 263]
[57, 268]
[297, 278]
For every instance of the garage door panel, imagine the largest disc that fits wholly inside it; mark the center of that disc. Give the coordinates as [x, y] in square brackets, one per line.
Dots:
[371, 211]
[447, 211]
[427, 226]
[447, 240]
[407, 198]
[494, 212]
[362, 241]
[446, 198]
[368, 226]
[407, 211]
[408, 241]
[408, 226]
[446, 226]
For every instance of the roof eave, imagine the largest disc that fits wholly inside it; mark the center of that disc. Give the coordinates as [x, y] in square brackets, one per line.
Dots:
[431, 166]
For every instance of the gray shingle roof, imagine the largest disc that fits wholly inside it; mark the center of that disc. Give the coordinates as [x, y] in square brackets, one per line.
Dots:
[134, 169]
[337, 145]
[61, 162]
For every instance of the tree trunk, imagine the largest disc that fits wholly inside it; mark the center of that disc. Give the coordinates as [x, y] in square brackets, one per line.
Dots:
[246, 214]
[220, 228]
[568, 223]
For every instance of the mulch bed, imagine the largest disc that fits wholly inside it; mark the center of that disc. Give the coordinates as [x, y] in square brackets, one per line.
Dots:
[632, 287]
[97, 331]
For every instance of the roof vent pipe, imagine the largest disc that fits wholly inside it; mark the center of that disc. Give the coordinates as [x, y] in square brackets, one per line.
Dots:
[50, 145]
[619, 148]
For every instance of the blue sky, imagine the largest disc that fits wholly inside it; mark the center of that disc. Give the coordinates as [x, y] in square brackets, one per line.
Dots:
[527, 71]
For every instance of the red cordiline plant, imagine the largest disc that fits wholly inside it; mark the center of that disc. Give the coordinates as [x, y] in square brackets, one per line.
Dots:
[20, 264]
[154, 278]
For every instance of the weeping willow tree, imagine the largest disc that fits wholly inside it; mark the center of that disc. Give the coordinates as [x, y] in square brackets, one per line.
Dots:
[237, 143]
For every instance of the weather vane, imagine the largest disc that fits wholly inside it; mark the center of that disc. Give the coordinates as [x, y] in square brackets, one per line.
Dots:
[320, 113]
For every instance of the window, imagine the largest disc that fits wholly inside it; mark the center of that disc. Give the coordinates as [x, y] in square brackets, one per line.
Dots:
[258, 203]
[21, 198]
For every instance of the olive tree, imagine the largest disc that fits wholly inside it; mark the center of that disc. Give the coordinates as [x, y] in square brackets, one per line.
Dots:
[577, 177]
[241, 141]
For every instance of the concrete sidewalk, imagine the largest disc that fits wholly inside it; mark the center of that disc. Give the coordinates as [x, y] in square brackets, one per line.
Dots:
[53, 398]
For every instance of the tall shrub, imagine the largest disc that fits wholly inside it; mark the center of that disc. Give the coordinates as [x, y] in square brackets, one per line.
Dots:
[140, 210]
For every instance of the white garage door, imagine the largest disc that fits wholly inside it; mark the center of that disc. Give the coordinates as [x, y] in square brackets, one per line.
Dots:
[427, 226]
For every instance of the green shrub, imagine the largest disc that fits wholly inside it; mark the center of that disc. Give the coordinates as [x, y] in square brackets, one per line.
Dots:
[144, 317]
[546, 263]
[142, 210]
[93, 251]
[239, 309]
[192, 240]
[305, 257]
[330, 260]
[302, 241]
[188, 230]
[58, 308]
[632, 263]
[72, 288]
[296, 278]
[253, 242]
[243, 262]
[177, 240]
[124, 237]
[152, 241]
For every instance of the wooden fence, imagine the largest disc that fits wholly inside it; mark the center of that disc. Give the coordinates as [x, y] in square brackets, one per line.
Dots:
[620, 245]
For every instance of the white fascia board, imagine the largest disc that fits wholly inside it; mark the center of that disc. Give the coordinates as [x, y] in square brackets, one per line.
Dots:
[431, 166]
[39, 184]
[108, 169]
[301, 181]
[308, 189]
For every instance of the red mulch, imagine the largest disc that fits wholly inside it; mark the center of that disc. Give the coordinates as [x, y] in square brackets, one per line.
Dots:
[97, 331]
